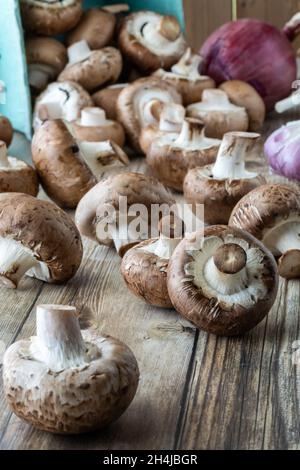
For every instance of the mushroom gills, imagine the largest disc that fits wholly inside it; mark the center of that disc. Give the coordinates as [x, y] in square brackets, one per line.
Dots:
[283, 237]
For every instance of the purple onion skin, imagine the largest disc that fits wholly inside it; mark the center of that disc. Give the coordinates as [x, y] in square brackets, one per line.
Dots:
[283, 152]
[255, 52]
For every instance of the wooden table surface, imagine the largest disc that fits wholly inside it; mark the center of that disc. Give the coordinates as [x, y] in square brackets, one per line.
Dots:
[196, 391]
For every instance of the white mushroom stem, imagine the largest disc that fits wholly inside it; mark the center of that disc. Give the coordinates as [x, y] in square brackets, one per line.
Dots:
[230, 162]
[191, 132]
[4, 163]
[91, 117]
[59, 343]
[188, 66]
[78, 52]
[171, 118]
[164, 247]
[99, 156]
[288, 103]
[50, 110]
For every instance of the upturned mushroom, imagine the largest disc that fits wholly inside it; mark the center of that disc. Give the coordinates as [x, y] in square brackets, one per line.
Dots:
[107, 99]
[272, 214]
[68, 381]
[90, 68]
[50, 17]
[15, 175]
[171, 159]
[150, 41]
[139, 104]
[68, 168]
[225, 282]
[186, 78]
[96, 27]
[46, 58]
[221, 185]
[6, 130]
[38, 239]
[63, 100]
[219, 114]
[170, 124]
[144, 267]
[93, 126]
[107, 214]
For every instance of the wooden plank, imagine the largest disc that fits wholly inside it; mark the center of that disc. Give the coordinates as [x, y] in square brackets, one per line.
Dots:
[203, 17]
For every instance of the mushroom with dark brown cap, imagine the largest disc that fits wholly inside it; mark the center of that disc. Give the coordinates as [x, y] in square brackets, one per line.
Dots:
[93, 126]
[140, 103]
[221, 185]
[225, 282]
[272, 214]
[6, 130]
[50, 17]
[108, 212]
[15, 175]
[107, 99]
[96, 27]
[46, 58]
[68, 168]
[186, 78]
[171, 159]
[150, 41]
[63, 100]
[91, 69]
[38, 239]
[68, 381]
[144, 267]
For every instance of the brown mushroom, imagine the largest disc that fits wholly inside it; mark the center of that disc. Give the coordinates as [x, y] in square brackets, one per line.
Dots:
[221, 185]
[68, 381]
[50, 17]
[272, 214]
[38, 239]
[171, 159]
[108, 212]
[6, 130]
[107, 99]
[225, 282]
[150, 41]
[91, 69]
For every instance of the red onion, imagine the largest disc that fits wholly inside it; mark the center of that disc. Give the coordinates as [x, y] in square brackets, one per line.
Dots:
[283, 150]
[255, 52]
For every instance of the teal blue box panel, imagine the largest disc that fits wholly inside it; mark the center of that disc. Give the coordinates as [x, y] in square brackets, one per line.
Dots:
[14, 88]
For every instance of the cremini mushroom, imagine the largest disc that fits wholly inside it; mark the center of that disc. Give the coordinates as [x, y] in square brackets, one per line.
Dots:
[107, 99]
[6, 130]
[108, 212]
[186, 78]
[68, 381]
[38, 239]
[219, 114]
[170, 123]
[93, 126]
[96, 27]
[144, 267]
[140, 104]
[68, 168]
[150, 41]
[221, 185]
[91, 69]
[171, 159]
[50, 17]
[15, 175]
[272, 214]
[224, 282]
[46, 58]
[63, 100]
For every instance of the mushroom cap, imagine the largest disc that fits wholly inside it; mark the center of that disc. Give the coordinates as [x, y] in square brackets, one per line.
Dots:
[96, 27]
[145, 54]
[70, 95]
[138, 188]
[242, 94]
[75, 400]
[145, 274]
[63, 172]
[107, 99]
[218, 196]
[110, 130]
[102, 66]
[46, 51]
[132, 99]
[194, 296]
[44, 229]
[6, 130]
[18, 177]
[50, 19]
